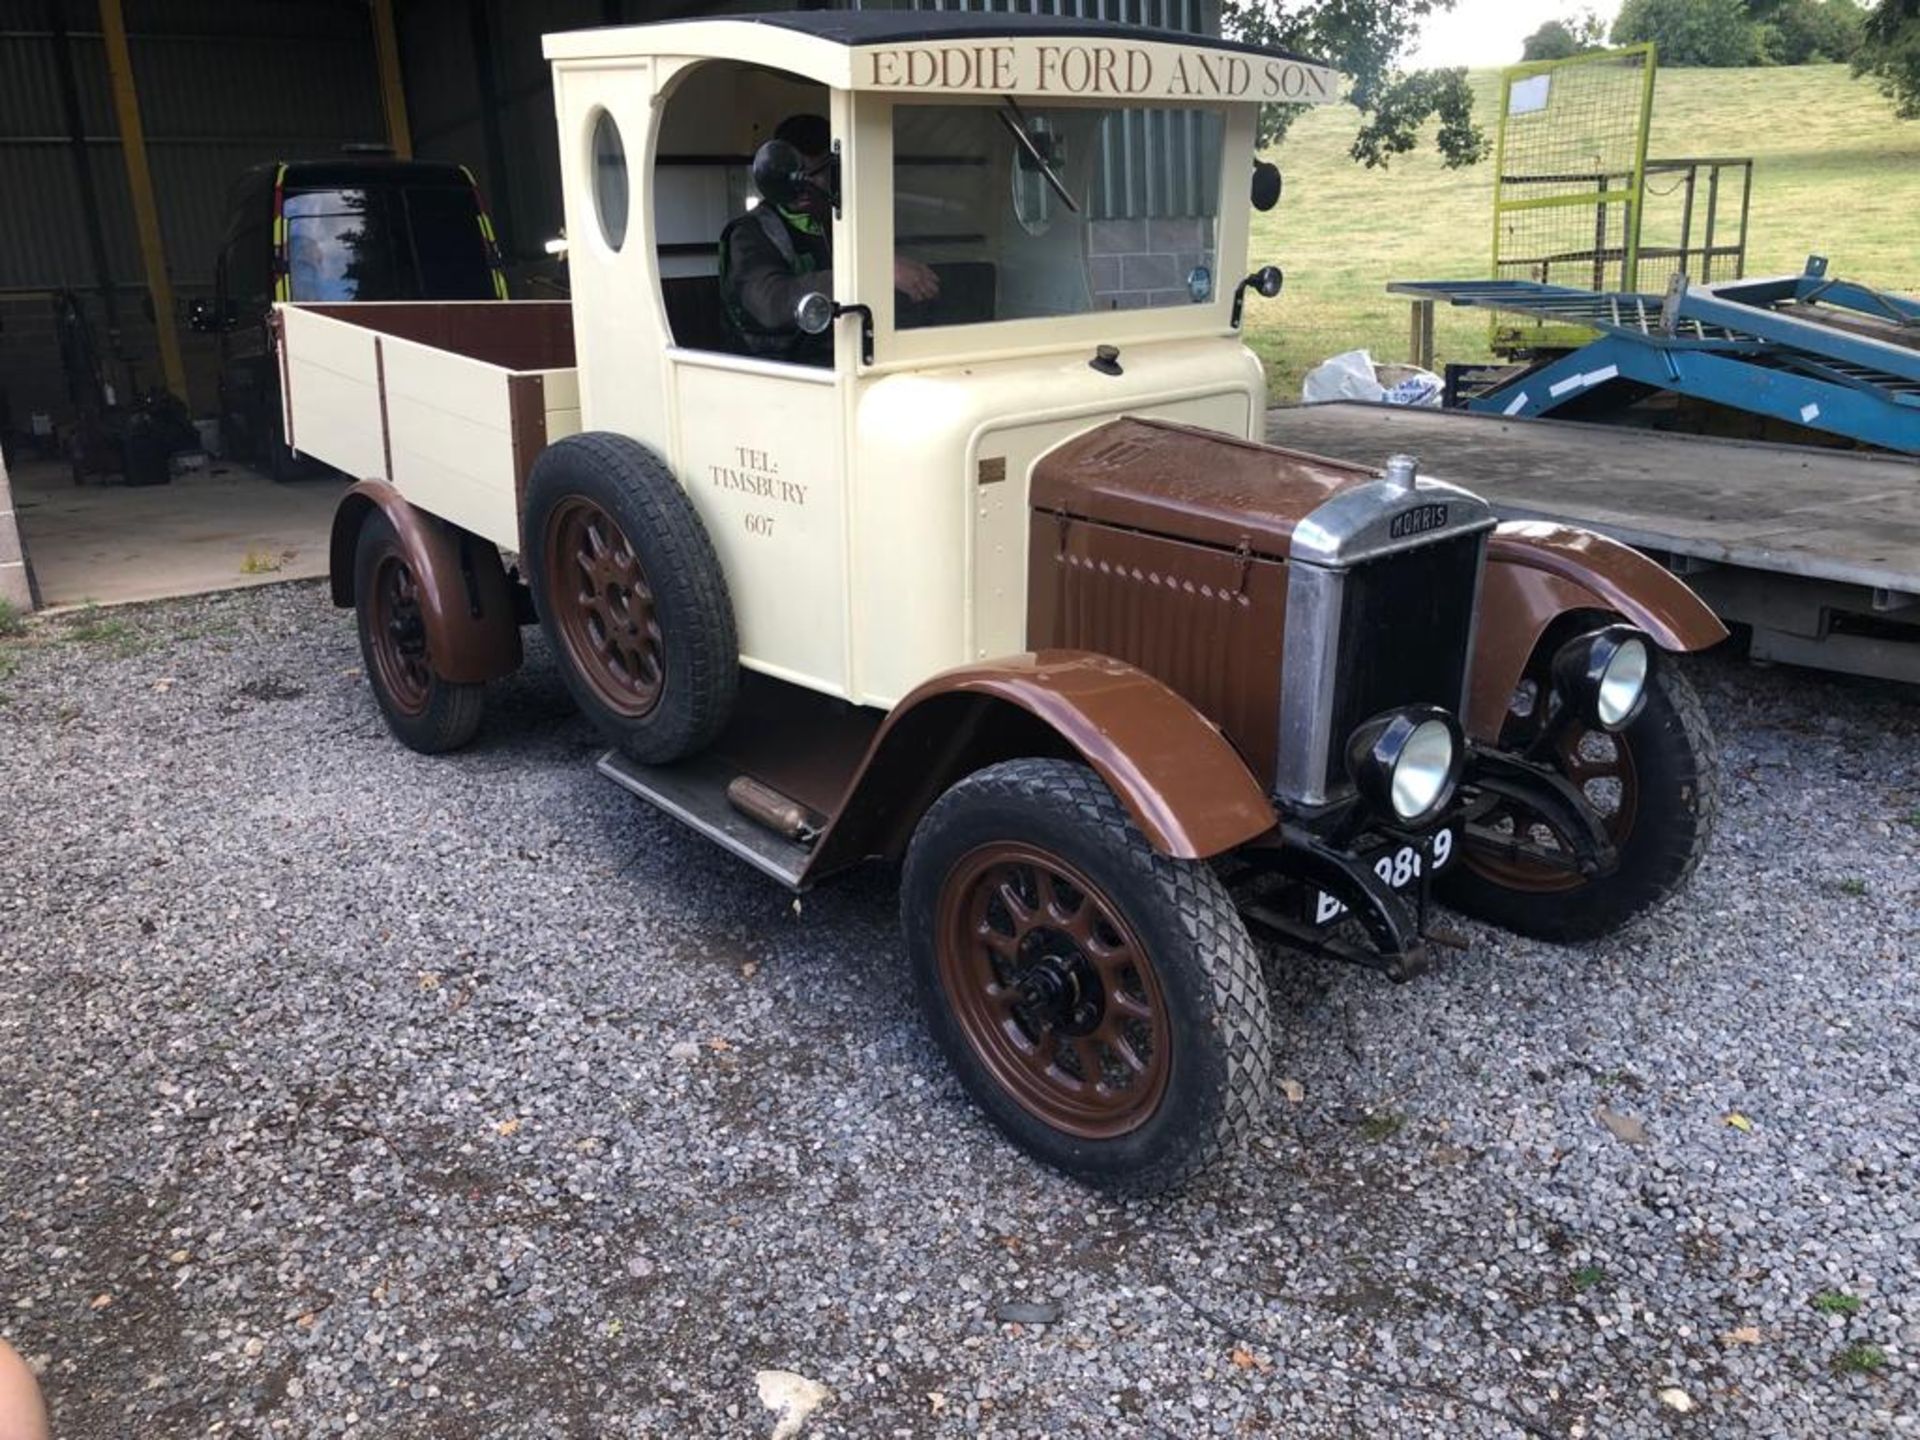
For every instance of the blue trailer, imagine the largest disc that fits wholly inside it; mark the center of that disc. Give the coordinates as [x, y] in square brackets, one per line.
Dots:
[1809, 350]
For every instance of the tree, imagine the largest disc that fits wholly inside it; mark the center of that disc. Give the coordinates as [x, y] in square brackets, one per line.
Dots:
[1890, 52]
[1806, 32]
[1716, 33]
[1364, 40]
[1563, 39]
[1552, 41]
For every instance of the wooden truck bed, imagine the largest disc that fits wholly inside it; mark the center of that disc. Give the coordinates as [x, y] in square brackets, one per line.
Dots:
[1817, 550]
[452, 401]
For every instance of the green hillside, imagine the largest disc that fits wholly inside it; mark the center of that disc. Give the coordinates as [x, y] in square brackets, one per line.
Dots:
[1834, 172]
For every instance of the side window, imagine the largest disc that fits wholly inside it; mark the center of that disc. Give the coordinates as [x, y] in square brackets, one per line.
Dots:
[610, 186]
[728, 280]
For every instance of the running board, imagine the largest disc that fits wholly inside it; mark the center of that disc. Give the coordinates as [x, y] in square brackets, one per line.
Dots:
[695, 793]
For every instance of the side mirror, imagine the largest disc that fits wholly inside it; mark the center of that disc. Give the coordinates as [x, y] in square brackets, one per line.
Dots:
[1266, 185]
[813, 314]
[779, 172]
[1268, 280]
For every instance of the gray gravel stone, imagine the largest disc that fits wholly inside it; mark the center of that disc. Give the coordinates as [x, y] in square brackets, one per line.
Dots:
[1023, 1312]
[347, 1078]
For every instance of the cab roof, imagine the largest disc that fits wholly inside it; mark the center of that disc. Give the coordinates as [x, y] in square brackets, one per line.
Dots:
[904, 27]
[968, 52]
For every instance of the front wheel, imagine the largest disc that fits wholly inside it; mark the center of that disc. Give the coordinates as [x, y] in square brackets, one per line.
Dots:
[1100, 1001]
[1656, 790]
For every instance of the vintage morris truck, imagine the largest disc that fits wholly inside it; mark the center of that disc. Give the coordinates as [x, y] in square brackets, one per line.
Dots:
[999, 583]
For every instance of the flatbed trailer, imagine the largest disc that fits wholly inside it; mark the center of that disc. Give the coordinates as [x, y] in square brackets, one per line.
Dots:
[1816, 551]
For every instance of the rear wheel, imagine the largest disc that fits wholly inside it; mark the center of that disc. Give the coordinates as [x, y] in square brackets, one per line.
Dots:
[427, 713]
[1655, 788]
[1100, 1001]
[631, 597]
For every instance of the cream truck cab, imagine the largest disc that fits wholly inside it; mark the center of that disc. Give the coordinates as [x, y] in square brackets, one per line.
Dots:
[980, 567]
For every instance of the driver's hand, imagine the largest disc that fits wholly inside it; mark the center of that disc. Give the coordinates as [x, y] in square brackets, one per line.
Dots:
[914, 280]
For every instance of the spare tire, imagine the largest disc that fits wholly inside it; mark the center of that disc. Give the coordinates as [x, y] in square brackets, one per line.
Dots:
[631, 596]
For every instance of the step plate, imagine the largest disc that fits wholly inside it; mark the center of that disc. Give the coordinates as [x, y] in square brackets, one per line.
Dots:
[695, 793]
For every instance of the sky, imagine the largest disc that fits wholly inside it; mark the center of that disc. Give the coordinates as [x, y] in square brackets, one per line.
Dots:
[1490, 32]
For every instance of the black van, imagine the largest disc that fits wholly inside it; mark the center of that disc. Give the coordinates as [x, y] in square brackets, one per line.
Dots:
[355, 228]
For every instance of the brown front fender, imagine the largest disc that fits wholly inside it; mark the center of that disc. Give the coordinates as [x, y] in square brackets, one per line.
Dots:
[473, 628]
[1537, 572]
[1185, 787]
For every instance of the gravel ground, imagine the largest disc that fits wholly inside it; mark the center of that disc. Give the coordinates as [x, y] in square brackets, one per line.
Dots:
[344, 1091]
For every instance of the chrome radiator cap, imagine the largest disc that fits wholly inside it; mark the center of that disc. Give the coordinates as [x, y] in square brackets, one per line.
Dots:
[1378, 517]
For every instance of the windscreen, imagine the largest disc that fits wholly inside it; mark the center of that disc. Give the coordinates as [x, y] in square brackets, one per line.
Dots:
[1022, 212]
[387, 242]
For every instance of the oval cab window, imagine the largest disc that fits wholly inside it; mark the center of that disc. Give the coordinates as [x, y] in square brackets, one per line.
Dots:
[610, 180]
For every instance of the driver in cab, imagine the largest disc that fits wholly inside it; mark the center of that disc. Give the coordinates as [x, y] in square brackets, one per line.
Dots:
[781, 251]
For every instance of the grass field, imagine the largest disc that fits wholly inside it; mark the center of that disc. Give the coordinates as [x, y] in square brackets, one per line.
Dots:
[1834, 172]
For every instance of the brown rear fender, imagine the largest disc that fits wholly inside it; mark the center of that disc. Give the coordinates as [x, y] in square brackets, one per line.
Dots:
[1183, 784]
[473, 629]
[1537, 572]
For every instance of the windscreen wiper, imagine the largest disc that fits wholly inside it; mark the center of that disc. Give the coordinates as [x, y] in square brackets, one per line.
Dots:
[1016, 123]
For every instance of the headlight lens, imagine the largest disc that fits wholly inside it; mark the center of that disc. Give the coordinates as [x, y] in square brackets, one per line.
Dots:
[1603, 676]
[1622, 684]
[1405, 763]
[1420, 775]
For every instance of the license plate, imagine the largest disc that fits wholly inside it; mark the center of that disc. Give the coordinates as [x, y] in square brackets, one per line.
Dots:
[1400, 866]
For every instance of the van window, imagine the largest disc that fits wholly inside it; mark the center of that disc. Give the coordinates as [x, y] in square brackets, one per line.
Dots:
[387, 242]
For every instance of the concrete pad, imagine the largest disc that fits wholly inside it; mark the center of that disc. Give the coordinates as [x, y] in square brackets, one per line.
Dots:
[223, 529]
[14, 588]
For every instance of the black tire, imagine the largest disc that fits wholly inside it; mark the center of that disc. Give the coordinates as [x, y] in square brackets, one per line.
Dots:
[650, 655]
[424, 711]
[1675, 779]
[1211, 1002]
[282, 464]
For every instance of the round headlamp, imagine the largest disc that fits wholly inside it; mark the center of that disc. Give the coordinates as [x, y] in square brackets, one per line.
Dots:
[1405, 763]
[1604, 675]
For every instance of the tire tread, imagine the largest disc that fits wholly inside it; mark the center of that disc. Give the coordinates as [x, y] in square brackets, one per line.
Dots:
[454, 711]
[709, 642]
[1242, 1013]
[1673, 854]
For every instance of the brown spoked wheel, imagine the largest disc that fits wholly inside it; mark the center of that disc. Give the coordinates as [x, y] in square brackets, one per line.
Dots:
[1053, 990]
[1601, 768]
[1102, 1002]
[1654, 787]
[425, 711]
[603, 608]
[399, 634]
[631, 596]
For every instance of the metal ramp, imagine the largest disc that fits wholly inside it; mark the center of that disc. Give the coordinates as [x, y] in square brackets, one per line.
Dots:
[1824, 353]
